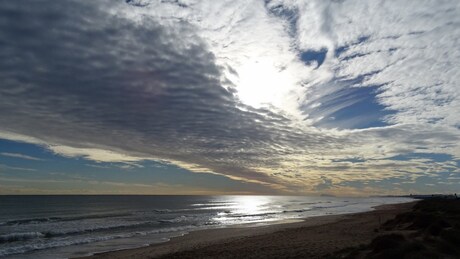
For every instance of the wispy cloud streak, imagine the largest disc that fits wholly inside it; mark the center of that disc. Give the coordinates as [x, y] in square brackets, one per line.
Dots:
[21, 156]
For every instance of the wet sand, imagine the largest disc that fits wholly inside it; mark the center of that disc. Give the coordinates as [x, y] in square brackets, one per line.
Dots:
[315, 237]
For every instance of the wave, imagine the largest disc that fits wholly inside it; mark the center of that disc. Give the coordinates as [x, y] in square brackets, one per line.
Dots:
[98, 228]
[12, 237]
[58, 219]
[214, 204]
[298, 210]
[333, 206]
[229, 215]
[265, 213]
[315, 202]
[176, 220]
[251, 215]
[28, 221]
[66, 242]
[163, 211]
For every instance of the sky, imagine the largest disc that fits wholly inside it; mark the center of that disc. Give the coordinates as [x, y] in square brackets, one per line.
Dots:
[302, 97]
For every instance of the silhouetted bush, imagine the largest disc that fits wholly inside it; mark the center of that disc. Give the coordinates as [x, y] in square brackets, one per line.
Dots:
[430, 230]
[387, 242]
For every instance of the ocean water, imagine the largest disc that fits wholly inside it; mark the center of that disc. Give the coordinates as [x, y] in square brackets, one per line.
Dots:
[72, 226]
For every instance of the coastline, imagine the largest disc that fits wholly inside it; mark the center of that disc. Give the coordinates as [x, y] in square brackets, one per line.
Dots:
[312, 237]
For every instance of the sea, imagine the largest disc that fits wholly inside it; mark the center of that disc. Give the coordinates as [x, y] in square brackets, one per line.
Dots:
[74, 226]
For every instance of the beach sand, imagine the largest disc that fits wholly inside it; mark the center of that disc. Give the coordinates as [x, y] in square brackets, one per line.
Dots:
[316, 237]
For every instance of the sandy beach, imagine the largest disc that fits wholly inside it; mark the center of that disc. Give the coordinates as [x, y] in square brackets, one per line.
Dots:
[315, 237]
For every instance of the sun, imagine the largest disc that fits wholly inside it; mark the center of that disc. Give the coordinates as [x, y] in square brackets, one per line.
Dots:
[261, 83]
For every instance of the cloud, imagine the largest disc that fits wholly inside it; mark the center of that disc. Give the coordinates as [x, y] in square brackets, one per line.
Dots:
[75, 185]
[156, 92]
[221, 86]
[21, 156]
[409, 49]
[7, 167]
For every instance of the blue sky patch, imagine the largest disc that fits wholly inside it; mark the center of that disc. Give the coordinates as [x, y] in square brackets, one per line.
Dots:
[311, 57]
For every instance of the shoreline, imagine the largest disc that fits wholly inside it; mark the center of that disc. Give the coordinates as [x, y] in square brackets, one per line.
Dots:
[219, 241]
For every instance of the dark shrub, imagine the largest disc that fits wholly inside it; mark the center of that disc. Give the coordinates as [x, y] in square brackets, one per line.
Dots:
[399, 220]
[451, 236]
[423, 221]
[390, 241]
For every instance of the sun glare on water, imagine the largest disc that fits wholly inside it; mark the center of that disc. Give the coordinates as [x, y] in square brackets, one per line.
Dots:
[250, 204]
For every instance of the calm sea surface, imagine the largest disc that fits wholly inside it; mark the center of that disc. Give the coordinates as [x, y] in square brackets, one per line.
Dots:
[71, 226]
